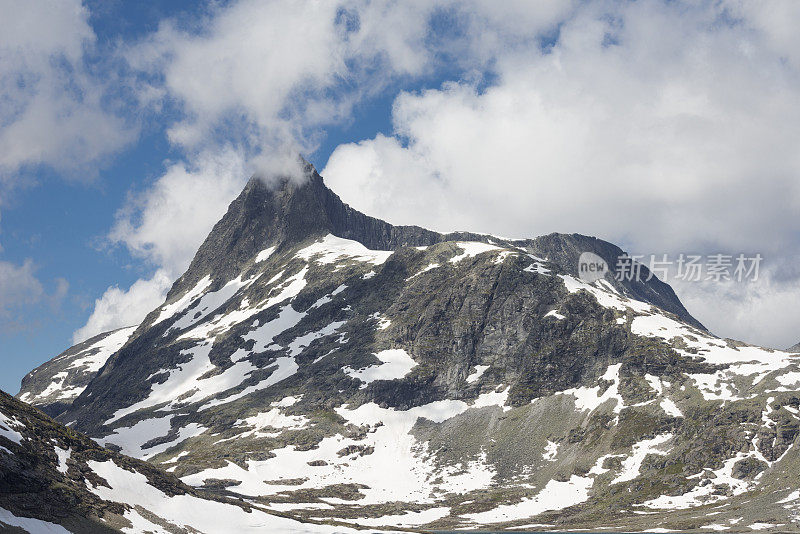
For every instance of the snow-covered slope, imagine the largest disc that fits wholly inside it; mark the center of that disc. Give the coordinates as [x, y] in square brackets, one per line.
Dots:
[55, 384]
[56, 481]
[325, 364]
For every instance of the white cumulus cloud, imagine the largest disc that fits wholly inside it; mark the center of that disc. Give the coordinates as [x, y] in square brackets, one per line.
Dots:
[118, 308]
[164, 225]
[52, 109]
[661, 126]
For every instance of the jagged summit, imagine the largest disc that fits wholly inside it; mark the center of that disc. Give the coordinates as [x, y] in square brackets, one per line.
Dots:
[285, 212]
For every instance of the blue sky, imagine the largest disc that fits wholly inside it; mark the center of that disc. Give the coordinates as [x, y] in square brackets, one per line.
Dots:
[665, 127]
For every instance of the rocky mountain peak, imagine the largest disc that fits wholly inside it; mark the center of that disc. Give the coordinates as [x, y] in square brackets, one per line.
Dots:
[566, 249]
[265, 214]
[279, 212]
[283, 211]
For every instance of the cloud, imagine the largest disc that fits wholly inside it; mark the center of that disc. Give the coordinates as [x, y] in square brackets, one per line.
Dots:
[164, 226]
[776, 23]
[666, 127]
[262, 75]
[269, 75]
[662, 126]
[18, 286]
[53, 110]
[762, 312]
[166, 223]
[21, 292]
[118, 308]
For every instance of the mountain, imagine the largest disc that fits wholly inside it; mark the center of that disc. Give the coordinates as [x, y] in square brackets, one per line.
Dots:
[55, 384]
[795, 348]
[291, 214]
[55, 480]
[323, 363]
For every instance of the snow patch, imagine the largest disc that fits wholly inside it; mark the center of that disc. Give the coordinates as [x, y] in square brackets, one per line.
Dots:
[190, 512]
[550, 451]
[284, 367]
[762, 526]
[633, 463]
[396, 363]
[399, 467]
[209, 303]
[556, 495]
[472, 248]
[703, 493]
[537, 266]
[63, 456]
[331, 249]
[497, 397]
[273, 419]
[670, 408]
[502, 256]
[590, 398]
[264, 254]
[424, 270]
[7, 425]
[30, 524]
[606, 298]
[168, 310]
[297, 346]
[383, 322]
[105, 348]
[474, 376]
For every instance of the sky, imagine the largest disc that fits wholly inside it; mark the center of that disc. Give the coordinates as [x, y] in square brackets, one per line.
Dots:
[126, 128]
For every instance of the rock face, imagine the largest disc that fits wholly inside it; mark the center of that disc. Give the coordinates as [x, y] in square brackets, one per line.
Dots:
[321, 362]
[53, 386]
[53, 479]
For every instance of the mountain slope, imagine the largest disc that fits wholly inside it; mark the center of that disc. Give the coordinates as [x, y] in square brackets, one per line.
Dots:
[795, 348]
[53, 386]
[449, 381]
[53, 479]
[261, 216]
[56, 480]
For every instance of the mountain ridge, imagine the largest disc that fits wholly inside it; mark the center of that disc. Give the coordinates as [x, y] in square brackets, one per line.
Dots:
[298, 210]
